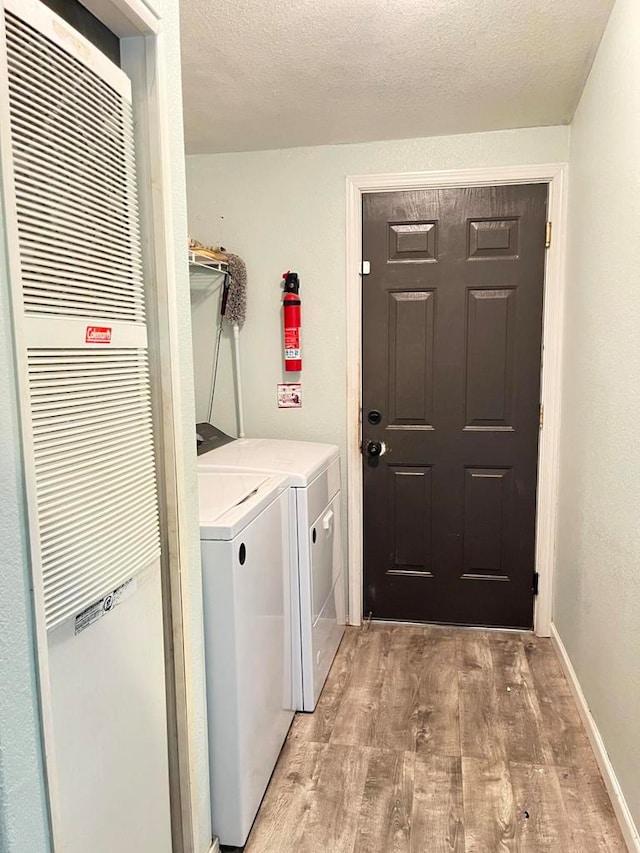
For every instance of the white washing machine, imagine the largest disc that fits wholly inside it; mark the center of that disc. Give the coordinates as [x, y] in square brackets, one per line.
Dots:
[246, 574]
[318, 615]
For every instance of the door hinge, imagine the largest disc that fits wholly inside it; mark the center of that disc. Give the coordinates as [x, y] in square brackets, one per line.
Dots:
[365, 267]
[536, 580]
[541, 415]
[547, 235]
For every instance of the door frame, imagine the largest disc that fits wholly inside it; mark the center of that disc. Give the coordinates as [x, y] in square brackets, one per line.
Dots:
[555, 175]
[145, 57]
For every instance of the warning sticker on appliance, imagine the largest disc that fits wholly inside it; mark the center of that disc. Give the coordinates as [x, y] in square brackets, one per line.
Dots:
[98, 335]
[290, 395]
[100, 608]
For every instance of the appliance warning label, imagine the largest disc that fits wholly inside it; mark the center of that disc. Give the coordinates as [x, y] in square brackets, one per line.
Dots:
[100, 608]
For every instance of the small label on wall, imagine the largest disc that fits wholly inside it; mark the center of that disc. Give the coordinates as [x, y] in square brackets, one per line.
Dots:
[290, 395]
[105, 605]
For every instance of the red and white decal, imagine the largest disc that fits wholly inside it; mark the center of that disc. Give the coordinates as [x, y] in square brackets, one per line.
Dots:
[98, 335]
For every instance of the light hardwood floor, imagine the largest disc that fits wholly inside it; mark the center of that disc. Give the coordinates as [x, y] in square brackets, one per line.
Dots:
[436, 740]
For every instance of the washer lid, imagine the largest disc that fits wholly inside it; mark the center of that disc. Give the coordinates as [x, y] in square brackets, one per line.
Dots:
[229, 501]
[302, 460]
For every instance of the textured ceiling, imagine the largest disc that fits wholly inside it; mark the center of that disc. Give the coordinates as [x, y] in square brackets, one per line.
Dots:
[281, 73]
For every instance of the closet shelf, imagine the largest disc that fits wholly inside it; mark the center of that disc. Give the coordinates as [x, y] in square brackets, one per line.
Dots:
[204, 271]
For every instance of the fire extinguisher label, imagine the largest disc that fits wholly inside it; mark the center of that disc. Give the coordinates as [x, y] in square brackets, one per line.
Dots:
[292, 343]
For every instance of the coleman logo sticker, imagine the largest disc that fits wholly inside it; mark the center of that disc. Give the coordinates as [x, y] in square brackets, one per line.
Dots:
[98, 335]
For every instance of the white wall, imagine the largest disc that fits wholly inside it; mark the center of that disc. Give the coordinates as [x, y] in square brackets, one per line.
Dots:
[285, 210]
[597, 601]
[23, 806]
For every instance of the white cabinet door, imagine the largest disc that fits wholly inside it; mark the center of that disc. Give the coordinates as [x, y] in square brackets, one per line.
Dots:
[81, 338]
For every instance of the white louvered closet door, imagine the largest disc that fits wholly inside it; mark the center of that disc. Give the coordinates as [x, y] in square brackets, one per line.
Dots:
[84, 314]
[81, 337]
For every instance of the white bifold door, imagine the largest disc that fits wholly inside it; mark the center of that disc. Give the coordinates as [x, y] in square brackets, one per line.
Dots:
[81, 340]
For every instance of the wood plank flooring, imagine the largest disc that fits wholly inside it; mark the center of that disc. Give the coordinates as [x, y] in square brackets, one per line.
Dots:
[437, 740]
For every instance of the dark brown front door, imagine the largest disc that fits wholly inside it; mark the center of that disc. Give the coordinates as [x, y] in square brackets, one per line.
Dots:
[452, 329]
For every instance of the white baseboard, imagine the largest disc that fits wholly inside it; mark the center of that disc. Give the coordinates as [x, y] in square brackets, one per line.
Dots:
[627, 825]
[215, 846]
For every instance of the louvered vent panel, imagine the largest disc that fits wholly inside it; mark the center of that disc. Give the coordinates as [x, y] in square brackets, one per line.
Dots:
[95, 472]
[72, 140]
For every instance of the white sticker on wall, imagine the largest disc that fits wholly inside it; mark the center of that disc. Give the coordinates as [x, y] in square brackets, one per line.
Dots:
[290, 395]
[100, 608]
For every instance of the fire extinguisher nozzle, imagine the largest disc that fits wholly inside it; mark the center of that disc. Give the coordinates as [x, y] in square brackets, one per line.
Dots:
[291, 282]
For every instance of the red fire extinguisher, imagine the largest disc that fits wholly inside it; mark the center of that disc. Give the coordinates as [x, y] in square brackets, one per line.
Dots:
[291, 319]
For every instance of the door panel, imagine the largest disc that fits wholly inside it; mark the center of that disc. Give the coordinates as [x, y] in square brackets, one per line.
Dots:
[410, 521]
[486, 515]
[452, 328]
[411, 358]
[489, 363]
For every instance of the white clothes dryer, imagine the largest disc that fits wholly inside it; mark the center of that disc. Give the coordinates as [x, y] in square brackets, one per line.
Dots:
[246, 578]
[318, 615]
